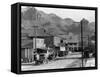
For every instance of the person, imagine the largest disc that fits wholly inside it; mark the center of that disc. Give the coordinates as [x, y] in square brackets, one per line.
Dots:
[36, 58]
[85, 55]
[47, 55]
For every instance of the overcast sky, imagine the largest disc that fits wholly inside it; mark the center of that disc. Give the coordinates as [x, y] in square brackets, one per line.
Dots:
[75, 14]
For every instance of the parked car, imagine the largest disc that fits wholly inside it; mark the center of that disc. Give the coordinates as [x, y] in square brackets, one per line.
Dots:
[60, 53]
[43, 55]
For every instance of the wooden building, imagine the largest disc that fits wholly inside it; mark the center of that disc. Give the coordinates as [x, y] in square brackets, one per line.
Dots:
[35, 39]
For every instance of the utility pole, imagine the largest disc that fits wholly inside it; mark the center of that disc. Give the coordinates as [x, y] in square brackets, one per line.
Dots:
[82, 40]
[34, 39]
[88, 41]
[35, 26]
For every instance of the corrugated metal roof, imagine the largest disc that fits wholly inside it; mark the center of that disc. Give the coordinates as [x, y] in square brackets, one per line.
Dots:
[26, 33]
[26, 43]
[35, 33]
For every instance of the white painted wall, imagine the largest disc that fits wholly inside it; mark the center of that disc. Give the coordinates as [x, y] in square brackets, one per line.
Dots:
[39, 43]
[56, 41]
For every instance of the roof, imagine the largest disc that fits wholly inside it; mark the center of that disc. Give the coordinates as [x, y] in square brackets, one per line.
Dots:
[24, 36]
[27, 33]
[26, 43]
[61, 44]
[35, 33]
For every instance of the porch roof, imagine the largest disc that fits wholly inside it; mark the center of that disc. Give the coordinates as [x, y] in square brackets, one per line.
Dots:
[26, 43]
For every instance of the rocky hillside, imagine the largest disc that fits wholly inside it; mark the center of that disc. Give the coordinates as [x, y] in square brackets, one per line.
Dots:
[54, 24]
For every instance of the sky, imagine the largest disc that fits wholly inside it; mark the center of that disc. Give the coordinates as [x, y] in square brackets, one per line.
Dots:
[75, 14]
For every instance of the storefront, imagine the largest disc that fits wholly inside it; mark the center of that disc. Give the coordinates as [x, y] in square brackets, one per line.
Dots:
[40, 40]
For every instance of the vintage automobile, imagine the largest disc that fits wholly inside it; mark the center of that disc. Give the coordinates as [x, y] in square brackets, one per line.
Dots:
[60, 53]
[43, 56]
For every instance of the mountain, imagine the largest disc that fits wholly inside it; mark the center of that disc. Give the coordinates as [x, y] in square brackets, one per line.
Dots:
[54, 24]
[91, 26]
[69, 21]
[51, 22]
[29, 14]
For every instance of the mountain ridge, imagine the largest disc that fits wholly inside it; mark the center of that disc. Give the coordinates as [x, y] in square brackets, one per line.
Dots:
[53, 23]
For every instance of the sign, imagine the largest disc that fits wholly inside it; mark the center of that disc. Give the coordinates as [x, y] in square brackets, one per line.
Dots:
[62, 49]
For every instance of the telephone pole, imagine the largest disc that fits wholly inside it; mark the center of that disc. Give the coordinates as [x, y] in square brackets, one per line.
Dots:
[82, 41]
[88, 41]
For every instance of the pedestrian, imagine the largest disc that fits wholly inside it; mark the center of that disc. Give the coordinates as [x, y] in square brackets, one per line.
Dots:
[85, 55]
